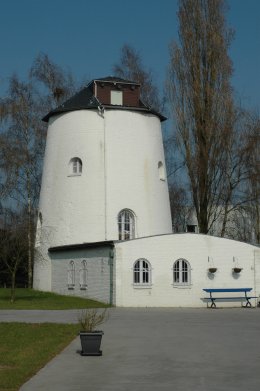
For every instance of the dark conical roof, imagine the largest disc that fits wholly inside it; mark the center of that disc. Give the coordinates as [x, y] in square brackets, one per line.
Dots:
[85, 99]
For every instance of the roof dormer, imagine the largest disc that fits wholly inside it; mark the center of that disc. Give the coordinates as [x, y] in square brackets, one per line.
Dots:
[117, 92]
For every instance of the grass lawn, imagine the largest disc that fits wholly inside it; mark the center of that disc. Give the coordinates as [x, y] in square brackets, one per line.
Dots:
[25, 348]
[29, 299]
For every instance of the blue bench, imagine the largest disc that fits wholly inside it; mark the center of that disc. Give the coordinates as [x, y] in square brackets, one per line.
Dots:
[213, 297]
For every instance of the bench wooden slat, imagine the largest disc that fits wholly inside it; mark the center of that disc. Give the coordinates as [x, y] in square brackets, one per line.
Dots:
[208, 290]
[230, 297]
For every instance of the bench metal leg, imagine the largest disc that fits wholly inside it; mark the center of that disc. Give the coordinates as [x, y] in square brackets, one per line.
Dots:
[248, 304]
[213, 304]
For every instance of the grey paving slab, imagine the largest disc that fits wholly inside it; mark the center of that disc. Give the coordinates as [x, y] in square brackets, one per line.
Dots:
[162, 349]
[39, 316]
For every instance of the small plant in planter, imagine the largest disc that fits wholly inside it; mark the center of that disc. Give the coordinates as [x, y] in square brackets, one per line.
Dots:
[90, 338]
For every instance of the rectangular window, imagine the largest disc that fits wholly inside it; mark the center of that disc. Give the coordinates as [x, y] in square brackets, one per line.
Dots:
[116, 98]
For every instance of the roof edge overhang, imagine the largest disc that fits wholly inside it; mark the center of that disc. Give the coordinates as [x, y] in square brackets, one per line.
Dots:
[81, 246]
[107, 107]
[114, 80]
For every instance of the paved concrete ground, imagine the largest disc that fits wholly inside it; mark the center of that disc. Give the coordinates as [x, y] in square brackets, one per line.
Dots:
[157, 350]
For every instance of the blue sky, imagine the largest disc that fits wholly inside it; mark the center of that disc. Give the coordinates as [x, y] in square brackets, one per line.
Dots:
[85, 37]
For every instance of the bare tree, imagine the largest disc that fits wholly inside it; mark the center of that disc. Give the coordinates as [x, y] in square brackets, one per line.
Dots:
[59, 84]
[180, 208]
[130, 67]
[24, 133]
[13, 246]
[253, 165]
[199, 90]
[23, 151]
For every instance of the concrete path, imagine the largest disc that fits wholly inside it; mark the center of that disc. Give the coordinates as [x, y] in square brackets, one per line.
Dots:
[157, 350]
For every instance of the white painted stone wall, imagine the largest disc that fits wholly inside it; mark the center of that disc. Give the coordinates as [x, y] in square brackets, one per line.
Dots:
[163, 251]
[42, 269]
[72, 207]
[120, 152]
[134, 148]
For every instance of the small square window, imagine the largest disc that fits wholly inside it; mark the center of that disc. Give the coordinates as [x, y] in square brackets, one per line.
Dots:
[116, 98]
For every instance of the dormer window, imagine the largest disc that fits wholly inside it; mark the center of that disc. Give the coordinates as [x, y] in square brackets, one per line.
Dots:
[116, 97]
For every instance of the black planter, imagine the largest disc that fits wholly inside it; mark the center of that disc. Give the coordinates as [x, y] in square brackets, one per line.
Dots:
[237, 269]
[90, 343]
[212, 269]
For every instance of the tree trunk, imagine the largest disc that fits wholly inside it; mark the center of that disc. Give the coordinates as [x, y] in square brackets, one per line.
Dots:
[13, 276]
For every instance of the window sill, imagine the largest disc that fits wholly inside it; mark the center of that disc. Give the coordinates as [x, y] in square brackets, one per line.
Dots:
[71, 287]
[182, 286]
[142, 286]
[83, 288]
[70, 175]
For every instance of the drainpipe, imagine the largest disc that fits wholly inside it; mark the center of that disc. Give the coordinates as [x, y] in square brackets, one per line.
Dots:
[105, 173]
[111, 273]
[101, 112]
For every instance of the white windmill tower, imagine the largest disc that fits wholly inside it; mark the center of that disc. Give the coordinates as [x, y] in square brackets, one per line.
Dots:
[104, 169]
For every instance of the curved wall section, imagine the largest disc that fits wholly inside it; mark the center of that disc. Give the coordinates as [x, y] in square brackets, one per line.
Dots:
[72, 206]
[118, 152]
[133, 148]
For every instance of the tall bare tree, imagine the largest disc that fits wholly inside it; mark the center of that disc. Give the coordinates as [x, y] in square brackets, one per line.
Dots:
[130, 67]
[253, 165]
[59, 84]
[13, 246]
[23, 136]
[201, 99]
[23, 139]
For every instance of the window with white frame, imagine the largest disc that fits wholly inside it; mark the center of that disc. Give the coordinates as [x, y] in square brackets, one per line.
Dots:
[142, 272]
[75, 166]
[181, 272]
[83, 275]
[126, 225]
[71, 275]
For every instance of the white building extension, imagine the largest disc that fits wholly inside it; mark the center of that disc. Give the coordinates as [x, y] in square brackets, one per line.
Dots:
[171, 270]
[104, 226]
[158, 271]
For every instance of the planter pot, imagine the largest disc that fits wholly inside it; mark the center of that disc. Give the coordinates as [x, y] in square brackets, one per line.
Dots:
[237, 269]
[212, 269]
[90, 343]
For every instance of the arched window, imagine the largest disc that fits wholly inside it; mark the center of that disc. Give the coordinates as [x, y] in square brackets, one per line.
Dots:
[161, 171]
[75, 166]
[142, 272]
[181, 272]
[83, 275]
[71, 275]
[126, 225]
